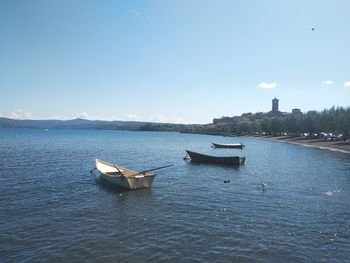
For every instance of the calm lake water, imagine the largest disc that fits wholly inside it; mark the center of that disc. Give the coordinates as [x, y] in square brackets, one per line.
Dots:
[53, 210]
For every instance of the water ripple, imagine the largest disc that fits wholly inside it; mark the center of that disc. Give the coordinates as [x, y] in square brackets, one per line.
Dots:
[53, 209]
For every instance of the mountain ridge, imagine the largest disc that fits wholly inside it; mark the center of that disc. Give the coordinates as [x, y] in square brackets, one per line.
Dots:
[77, 123]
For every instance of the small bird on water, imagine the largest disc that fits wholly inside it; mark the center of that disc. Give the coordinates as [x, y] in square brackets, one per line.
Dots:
[263, 185]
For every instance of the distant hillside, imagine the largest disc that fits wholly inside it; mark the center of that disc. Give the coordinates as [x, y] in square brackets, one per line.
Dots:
[105, 125]
[71, 124]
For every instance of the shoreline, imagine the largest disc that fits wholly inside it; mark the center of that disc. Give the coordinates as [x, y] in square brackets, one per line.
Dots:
[333, 146]
[224, 134]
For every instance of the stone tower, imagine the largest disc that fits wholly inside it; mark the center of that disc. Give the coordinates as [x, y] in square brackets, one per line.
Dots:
[275, 105]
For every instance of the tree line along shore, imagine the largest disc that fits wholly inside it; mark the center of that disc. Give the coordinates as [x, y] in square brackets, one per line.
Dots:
[329, 125]
[327, 129]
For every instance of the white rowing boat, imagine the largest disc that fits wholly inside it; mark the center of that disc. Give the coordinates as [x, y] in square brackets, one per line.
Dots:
[124, 177]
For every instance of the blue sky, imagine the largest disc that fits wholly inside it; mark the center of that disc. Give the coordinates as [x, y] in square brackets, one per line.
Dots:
[171, 61]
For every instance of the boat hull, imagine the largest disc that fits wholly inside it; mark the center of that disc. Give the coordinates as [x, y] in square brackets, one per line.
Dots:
[203, 158]
[232, 146]
[129, 183]
[129, 179]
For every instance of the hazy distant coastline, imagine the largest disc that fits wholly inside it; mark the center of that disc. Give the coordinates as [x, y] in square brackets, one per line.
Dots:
[96, 125]
[333, 124]
[68, 124]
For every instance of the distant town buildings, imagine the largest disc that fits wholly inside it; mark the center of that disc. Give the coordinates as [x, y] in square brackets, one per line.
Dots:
[296, 111]
[253, 117]
[275, 105]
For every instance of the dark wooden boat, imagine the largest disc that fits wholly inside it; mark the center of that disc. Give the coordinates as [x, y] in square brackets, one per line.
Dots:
[203, 158]
[232, 145]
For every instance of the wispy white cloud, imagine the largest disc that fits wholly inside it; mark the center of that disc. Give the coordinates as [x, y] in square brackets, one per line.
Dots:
[84, 115]
[131, 117]
[136, 13]
[266, 85]
[177, 120]
[112, 118]
[57, 117]
[20, 114]
[158, 118]
[327, 83]
[166, 119]
[347, 84]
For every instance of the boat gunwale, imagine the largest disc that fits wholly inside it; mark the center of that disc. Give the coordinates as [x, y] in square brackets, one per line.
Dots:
[228, 145]
[133, 174]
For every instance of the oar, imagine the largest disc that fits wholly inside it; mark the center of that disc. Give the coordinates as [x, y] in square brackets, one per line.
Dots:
[118, 170]
[145, 171]
[93, 170]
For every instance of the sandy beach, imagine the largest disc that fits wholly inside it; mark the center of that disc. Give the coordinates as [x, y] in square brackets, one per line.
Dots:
[335, 146]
